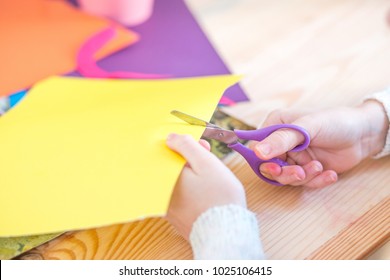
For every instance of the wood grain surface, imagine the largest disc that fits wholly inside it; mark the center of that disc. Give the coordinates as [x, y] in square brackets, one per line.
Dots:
[370, 230]
[294, 54]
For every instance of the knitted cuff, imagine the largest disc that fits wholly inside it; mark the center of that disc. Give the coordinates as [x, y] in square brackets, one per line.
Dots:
[226, 232]
[384, 98]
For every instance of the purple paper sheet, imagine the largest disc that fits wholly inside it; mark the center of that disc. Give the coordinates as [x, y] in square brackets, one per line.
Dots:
[171, 43]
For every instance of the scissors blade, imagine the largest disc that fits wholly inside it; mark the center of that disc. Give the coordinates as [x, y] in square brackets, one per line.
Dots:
[223, 135]
[191, 120]
[212, 131]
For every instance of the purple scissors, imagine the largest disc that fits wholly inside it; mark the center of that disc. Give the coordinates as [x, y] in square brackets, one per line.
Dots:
[231, 138]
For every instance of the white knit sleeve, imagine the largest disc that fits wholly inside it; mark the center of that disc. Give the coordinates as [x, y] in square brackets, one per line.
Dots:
[226, 233]
[384, 98]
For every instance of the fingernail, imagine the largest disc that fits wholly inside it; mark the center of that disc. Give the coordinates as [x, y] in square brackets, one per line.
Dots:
[264, 149]
[316, 168]
[330, 179]
[299, 177]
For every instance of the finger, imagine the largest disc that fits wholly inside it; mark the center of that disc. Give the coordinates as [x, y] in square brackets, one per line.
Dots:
[289, 175]
[281, 116]
[195, 154]
[275, 172]
[324, 179]
[252, 145]
[300, 158]
[312, 170]
[278, 143]
[205, 144]
[270, 170]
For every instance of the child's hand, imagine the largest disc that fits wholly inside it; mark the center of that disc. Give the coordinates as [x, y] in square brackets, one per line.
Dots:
[205, 182]
[340, 139]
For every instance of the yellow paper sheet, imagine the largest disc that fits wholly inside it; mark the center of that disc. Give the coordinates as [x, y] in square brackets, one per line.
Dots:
[78, 153]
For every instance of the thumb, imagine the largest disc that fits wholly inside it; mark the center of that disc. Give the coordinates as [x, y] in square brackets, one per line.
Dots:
[195, 153]
[278, 143]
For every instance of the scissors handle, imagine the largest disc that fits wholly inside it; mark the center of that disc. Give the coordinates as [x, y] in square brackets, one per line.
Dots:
[260, 134]
[255, 162]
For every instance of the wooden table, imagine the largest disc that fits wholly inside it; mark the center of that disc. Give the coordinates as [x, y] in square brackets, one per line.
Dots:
[300, 54]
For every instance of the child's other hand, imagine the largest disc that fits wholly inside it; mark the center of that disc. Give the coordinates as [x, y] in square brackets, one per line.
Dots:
[205, 182]
[340, 139]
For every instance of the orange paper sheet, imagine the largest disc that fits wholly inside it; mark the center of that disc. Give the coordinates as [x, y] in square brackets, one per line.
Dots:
[40, 38]
[79, 153]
